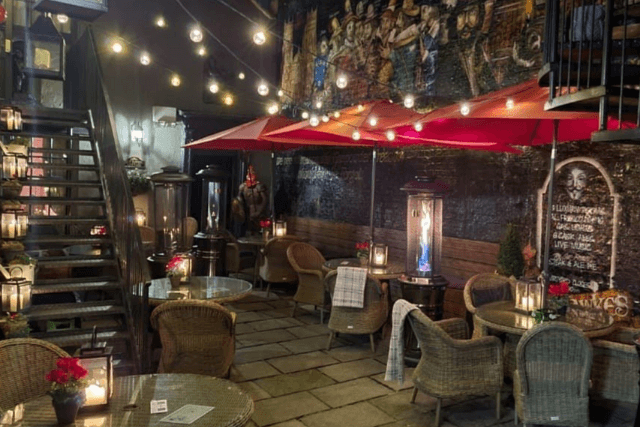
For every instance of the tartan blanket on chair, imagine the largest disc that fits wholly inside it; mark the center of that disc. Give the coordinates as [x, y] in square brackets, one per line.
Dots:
[350, 284]
[395, 359]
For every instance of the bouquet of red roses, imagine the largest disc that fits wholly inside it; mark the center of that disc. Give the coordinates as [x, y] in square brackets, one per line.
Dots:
[362, 249]
[559, 294]
[67, 379]
[265, 224]
[175, 267]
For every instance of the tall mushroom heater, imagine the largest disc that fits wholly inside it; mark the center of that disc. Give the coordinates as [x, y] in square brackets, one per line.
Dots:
[210, 242]
[170, 204]
[422, 284]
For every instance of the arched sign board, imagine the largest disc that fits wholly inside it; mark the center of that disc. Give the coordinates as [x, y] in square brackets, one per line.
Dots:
[584, 225]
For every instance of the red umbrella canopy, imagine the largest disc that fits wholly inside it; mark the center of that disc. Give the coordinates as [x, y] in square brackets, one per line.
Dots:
[511, 116]
[358, 125]
[247, 136]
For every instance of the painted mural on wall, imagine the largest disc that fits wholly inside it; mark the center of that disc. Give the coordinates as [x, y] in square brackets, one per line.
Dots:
[451, 49]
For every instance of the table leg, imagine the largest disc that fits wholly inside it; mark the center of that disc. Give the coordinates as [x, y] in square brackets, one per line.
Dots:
[479, 330]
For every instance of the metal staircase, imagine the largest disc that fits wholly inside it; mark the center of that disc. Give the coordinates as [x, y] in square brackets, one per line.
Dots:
[78, 284]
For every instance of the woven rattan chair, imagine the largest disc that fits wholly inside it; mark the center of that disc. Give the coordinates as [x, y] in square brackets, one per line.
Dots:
[307, 262]
[190, 230]
[275, 267]
[366, 320]
[614, 374]
[551, 382]
[484, 288]
[198, 337]
[23, 364]
[235, 259]
[451, 365]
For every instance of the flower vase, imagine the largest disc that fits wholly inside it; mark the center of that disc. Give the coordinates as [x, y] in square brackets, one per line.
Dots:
[266, 234]
[175, 282]
[364, 260]
[67, 408]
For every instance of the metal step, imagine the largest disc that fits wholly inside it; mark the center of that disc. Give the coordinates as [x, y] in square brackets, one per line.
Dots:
[61, 201]
[47, 136]
[58, 183]
[32, 239]
[63, 151]
[66, 220]
[76, 261]
[79, 284]
[75, 309]
[78, 337]
[53, 166]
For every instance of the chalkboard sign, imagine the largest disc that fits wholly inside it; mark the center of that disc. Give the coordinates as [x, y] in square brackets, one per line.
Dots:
[583, 225]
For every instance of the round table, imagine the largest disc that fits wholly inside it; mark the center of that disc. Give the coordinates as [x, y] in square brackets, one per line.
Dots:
[502, 316]
[391, 271]
[217, 289]
[130, 403]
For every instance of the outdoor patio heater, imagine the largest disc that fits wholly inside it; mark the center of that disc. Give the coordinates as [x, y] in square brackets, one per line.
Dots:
[170, 204]
[210, 243]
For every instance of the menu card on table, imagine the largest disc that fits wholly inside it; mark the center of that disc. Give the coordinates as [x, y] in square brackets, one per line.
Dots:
[187, 414]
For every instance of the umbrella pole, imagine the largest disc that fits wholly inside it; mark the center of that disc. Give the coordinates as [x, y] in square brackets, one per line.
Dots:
[273, 177]
[547, 242]
[373, 190]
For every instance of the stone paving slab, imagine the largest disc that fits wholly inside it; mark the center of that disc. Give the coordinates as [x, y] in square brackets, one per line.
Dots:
[254, 390]
[359, 415]
[259, 352]
[477, 413]
[252, 306]
[352, 370]
[269, 323]
[399, 406]
[251, 316]
[278, 313]
[281, 303]
[244, 328]
[308, 318]
[350, 392]
[350, 352]
[305, 345]
[280, 385]
[252, 371]
[309, 331]
[301, 362]
[292, 423]
[265, 337]
[394, 385]
[284, 408]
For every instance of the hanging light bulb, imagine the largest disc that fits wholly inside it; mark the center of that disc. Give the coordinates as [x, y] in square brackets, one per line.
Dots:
[360, 107]
[202, 51]
[409, 101]
[175, 80]
[196, 35]
[355, 135]
[391, 135]
[160, 22]
[336, 114]
[263, 89]
[227, 99]
[373, 121]
[280, 93]
[259, 37]
[318, 104]
[314, 121]
[417, 126]
[62, 18]
[342, 81]
[145, 59]
[214, 87]
[241, 75]
[117, 47]
[273, 108]
[465, 109]
[325, 118]
[510, 103]
[305, 115]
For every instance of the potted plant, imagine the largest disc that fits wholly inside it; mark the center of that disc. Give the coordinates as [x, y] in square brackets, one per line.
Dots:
[362, 252]
[15, 325]
[23, 266]
[265, 227]
[559, 296]
[175, 271]
[139, 182]
[67, 388]
[510, 259]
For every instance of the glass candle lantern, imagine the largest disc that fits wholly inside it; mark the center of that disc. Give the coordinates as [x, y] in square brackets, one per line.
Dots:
[214, 199]
[279, 228]
[99, 362]
[13, 416]
[378, 255]
[185, 266]
[14, 161]
[7, 118]
[170, 203]
[16, 295]
[528, 295]
[14, 222]
[424, 228]
[45, 50]
[141, 218]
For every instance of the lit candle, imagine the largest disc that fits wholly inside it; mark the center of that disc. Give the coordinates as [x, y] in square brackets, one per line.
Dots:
[527, 303]
[95, 395]
[12, 229]
[13, 303]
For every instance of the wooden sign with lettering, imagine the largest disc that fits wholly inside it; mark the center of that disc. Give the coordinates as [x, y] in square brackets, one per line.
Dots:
[584, 225]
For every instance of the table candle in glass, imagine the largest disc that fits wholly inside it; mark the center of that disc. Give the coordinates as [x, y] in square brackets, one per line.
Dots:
[378, 255]
[279, 228]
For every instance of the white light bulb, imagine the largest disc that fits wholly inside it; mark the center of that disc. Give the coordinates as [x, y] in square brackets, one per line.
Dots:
[202, 51]
[160, 22]
[62, 18]
[214, 87]
[117, 47]
[318, 104]
[355, 135]
[342, 81]
[360, 107]
[241, 75]
[145, 59]
[314, 121]
[196, 35]
[228, 99]
[510, 103]
[325, 118]
[409, 101]
[417, 126]
[280, 93]
[373, 121]
[263, 89]
[273, 108]
[259, 37]
[336, 114]
[175, 81]
[391, 135]
[465, 109]
[305, 115]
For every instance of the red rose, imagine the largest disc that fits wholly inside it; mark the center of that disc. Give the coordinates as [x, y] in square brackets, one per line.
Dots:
[78, 372]
[57, 376]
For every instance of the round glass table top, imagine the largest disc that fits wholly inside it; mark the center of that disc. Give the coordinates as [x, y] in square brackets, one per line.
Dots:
[218, 289]
[391, 271]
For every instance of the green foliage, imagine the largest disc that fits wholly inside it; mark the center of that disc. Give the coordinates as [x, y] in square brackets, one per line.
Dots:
[139, 182]
[510, 259]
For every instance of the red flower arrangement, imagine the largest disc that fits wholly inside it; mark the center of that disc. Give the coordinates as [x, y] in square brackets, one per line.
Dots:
[175, 267]
[362, 249]
[67, 379]
[265, 223]
[559, 294]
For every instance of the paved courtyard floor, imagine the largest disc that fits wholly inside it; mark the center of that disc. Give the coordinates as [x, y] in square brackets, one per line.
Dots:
[282, 362]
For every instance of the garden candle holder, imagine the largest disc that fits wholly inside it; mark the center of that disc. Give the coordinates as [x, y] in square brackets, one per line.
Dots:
[99, 362]
[528, 296]
[16, 295]
[378, 255]
[279, 228]
[15, 222]
[141, 218]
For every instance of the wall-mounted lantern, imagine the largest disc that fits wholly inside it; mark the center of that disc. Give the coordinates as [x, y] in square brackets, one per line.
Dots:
[45, 50]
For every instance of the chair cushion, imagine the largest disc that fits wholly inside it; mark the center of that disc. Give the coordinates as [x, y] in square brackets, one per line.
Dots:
[617, 303]
[484, 296]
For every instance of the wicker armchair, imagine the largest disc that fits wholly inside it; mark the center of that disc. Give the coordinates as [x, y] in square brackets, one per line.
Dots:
[366, 320]
[198, 337]
[551, 382]
[235, 259]
[25, 362]
[614, 374]
[275, 267]
[451, 365]
[484, 288]
[307, 261]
